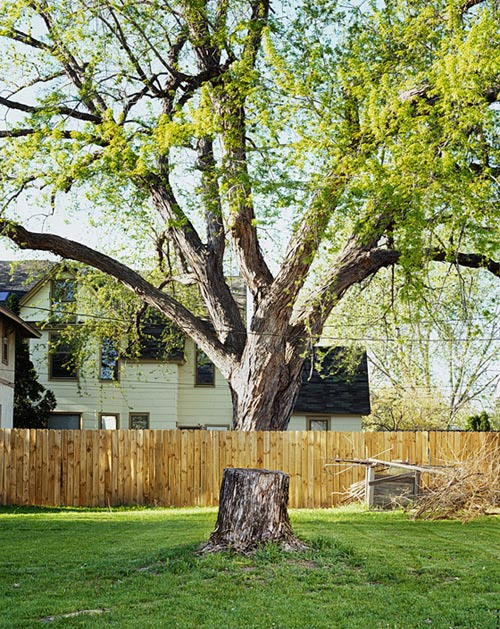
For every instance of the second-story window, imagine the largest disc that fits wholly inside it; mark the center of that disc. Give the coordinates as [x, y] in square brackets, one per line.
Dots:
[109, 360]
[205, 369]
[63, 297]
[62, 363]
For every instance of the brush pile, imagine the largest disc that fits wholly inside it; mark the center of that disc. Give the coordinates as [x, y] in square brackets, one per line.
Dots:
[469, 489]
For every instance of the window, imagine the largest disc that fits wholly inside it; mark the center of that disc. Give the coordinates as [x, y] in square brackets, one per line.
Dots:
[139, 421]
[157, 339]
[318, 423]
[109, 360]
[205, 369]
[61, 359]
[5, 345]
[64, 421]
[63, 297]
[109, 421]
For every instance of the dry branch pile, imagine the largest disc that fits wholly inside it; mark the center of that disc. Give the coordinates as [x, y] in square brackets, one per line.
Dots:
[470, 488]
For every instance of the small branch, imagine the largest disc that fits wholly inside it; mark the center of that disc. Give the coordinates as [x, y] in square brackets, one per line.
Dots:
[490, 94]
[470, 260]
[29, 40]
[60, 110]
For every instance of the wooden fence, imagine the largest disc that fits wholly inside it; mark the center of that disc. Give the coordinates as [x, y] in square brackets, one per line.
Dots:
[179, 468]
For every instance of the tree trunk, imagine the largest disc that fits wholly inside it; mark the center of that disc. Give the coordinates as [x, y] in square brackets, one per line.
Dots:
[252, 512]
[265, 386]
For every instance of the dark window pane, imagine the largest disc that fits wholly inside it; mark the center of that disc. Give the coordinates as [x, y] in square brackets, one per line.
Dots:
[109, 360]
[63, 421]
[205, 369]
[62, 362]
[139, 421]
[5, 348]
[158, 339]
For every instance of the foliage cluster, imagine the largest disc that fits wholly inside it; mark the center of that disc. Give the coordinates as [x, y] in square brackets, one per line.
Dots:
[479, 422]
[341, 139]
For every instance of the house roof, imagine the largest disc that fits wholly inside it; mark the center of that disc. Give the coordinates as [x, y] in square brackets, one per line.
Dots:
[332, 389]
[25, 329]
[20, 277]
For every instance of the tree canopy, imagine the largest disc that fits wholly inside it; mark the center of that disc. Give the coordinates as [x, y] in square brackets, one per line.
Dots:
[356, 136]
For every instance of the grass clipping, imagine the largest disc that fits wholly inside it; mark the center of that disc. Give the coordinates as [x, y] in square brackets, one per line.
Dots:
[471, 488]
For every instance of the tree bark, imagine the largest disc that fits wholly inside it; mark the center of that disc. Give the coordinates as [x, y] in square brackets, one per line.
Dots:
[264, 390]
[252, 512]
[265, 382]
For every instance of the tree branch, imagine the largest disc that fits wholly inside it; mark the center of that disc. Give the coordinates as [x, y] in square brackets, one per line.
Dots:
[60, 110]
[74, 71]
[357, 263]
[490, 93]
[469, 260]
[29, 40]
[203, 262]
[304, 244]
[211, 197]
[198, 329]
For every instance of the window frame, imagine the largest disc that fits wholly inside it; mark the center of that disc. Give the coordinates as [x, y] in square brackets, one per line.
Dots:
[68, 378]
[130, 415]
[115, 415]
[80, 419]
[5, 344]
[318, 418]
[197, 353]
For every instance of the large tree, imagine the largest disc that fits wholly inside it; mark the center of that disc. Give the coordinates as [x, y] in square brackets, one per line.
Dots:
[364, 136]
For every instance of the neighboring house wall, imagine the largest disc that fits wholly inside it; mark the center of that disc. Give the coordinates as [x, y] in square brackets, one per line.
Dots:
[10, 326]
[332, 422]
[202, 404]
[164, 394]
[7, 366]
[148, 388]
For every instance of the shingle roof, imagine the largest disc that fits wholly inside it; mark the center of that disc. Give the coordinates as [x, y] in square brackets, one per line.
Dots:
[333, 390]
[20, 277]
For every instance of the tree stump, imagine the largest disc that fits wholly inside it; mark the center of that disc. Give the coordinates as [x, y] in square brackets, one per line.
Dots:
[252, 512]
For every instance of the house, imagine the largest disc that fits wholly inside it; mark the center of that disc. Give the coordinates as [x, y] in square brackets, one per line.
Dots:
[153, 389]
[11, 327]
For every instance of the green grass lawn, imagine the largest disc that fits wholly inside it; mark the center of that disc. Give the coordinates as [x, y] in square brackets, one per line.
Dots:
[364, 569]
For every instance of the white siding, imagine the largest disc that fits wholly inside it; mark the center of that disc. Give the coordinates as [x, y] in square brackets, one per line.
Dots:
[7, 376]
[7, 406]
[142, 387]
[202, 404]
